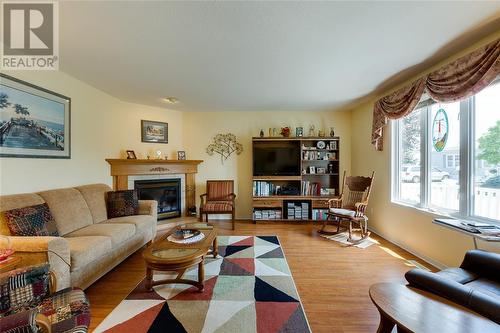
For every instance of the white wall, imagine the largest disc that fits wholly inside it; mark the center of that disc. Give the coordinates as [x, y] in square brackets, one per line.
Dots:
[101, 127]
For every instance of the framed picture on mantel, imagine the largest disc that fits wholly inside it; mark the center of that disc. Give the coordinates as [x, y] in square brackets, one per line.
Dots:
[34, 122]
[154, 131]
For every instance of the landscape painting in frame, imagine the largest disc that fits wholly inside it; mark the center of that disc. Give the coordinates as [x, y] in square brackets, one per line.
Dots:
[34, 122]
[154, 131]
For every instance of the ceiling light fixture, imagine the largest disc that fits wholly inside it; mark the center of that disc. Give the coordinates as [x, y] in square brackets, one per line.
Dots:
[171, 100]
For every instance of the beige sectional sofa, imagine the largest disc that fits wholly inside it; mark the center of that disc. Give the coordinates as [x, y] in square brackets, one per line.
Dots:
[90, 244]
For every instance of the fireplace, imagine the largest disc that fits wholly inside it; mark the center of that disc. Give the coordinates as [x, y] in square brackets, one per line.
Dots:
[166, 191]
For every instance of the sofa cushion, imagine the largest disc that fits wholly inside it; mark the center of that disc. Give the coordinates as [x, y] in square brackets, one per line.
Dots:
[122, 203]
[141, 222]
[86, 249]
[69, 209]
[458, 275]
[31, 221]
[8, 202]
[118, 232]
[486, 286]
[95, 196]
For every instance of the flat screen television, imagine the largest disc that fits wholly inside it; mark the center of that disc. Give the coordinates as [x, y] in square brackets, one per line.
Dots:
[276, 158]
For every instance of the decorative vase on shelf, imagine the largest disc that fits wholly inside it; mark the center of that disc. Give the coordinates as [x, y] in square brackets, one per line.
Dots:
[332, 132]
[311, 130]
[285, 131]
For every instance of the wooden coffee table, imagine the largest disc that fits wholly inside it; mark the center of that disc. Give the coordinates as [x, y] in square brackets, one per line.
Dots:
[414, 310]
[164, 255]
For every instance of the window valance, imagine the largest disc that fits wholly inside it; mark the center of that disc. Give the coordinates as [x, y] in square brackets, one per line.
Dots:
[459, 79]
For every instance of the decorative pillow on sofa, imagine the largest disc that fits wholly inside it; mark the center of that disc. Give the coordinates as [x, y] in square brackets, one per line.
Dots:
[31, 221]
[122, 203]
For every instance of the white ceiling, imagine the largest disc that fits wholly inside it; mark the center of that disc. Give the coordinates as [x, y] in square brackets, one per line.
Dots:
[261, 55]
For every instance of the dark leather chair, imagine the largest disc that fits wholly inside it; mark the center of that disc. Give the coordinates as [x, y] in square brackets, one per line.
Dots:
[474, 285]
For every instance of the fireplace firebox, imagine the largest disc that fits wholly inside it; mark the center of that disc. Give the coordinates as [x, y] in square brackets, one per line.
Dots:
[166, 191]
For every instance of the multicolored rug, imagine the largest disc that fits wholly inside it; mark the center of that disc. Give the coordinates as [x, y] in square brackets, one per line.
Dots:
[248, 288]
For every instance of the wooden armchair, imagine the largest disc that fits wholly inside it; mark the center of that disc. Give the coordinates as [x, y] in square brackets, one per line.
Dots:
[350, 206]
[29, 303]
[219, 199]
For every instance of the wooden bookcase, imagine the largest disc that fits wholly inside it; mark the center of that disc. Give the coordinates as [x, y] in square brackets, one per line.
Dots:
[317, 183]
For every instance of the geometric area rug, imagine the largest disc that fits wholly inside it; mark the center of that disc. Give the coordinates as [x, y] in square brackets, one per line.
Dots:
[248, 288]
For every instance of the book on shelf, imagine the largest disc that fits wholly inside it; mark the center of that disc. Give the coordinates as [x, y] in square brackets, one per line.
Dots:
[319, 214]
[264, 189]
[311, 188]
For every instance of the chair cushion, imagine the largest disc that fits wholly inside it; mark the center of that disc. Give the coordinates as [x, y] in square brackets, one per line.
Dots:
[66, 310]
[345, 212]
[122, 203]
[85, 249]
[140, 222]
[31, 221]
[218, 207]
[69, 209]
[118, 232]
[95, 196]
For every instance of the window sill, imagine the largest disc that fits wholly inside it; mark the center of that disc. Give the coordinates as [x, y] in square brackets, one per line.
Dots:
[443, 214]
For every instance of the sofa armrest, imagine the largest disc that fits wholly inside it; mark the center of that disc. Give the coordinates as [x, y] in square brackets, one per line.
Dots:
[472, 299]
[149, 207]
[41, 249]
[483, 263]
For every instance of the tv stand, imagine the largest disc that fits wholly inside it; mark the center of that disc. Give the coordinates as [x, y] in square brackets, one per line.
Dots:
[317, 182]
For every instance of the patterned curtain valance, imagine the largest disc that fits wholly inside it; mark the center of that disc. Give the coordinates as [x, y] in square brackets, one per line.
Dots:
[460, 79]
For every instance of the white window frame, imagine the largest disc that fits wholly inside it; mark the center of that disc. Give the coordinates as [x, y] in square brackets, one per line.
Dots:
[467, 165]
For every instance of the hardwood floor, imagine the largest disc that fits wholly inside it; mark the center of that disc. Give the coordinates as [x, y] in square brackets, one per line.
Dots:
[332, 280]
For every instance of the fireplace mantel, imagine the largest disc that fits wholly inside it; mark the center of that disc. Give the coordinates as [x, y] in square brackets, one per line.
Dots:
[121, 169]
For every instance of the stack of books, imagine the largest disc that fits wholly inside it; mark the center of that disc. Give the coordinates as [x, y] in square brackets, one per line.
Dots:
[298, 211]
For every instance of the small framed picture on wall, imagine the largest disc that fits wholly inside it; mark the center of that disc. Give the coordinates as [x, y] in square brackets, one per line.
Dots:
[154, 131]
[181, 155]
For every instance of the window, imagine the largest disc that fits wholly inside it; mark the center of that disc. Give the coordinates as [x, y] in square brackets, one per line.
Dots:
[409, 187]
[486, 145]
[446, 156]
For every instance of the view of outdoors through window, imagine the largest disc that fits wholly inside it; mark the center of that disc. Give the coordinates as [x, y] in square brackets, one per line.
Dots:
[445, 155]
[487, 153]
[442, 148]
[410, 135]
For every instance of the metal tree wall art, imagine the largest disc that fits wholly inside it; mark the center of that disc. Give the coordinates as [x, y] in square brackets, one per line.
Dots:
[224, 145]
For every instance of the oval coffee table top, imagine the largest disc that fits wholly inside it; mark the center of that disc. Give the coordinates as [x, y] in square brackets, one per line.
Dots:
[163, 251]
[420, 311]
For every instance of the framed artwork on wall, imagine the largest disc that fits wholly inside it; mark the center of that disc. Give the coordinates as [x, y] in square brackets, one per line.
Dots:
[34, 122]
[154, 131]
[131, 155]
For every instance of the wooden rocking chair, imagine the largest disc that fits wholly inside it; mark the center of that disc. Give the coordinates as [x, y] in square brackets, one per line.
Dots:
[350, 207]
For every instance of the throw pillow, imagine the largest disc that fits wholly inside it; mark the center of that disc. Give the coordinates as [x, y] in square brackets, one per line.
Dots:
[122, 203]
[31, 221]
